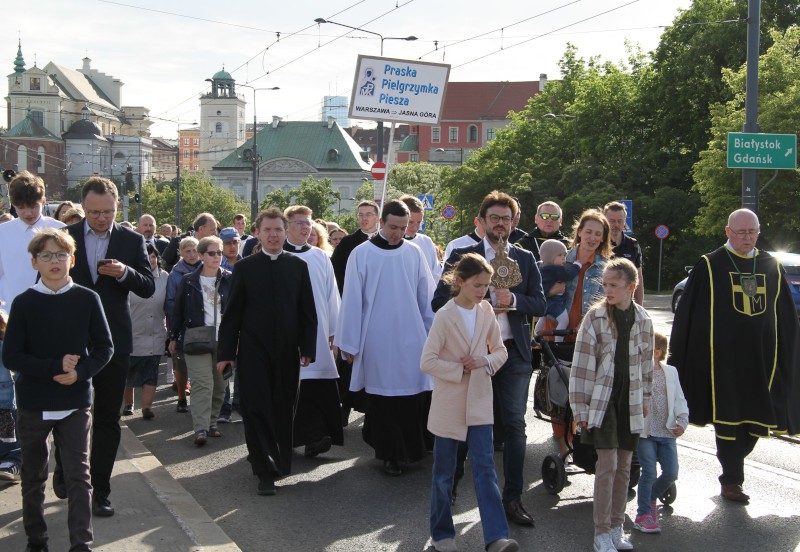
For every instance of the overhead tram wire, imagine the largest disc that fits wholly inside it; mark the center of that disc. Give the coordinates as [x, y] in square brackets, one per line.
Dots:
[504, 27]
[506, 48]
[281, 36]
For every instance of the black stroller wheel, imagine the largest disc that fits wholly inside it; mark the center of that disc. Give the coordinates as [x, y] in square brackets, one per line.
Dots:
[669, 495]
[553, 475]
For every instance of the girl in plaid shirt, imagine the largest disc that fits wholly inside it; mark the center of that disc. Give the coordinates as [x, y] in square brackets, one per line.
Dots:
[609, 392]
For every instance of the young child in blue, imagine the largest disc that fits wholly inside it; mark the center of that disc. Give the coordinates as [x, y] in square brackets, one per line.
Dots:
[554, 268]
[667, 420]
[10, 454]
[463, 351]
[54, 363]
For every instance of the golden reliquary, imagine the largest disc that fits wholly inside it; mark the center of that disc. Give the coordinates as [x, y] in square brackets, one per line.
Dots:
[506, 270]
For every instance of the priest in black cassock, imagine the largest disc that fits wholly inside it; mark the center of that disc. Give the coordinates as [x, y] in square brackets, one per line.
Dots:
[736, 344]
[270, 327]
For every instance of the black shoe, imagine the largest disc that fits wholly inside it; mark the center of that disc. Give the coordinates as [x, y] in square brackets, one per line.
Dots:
[36, 548]
[182, 407]
[147, 414]
[318, 447]
[59, 485]
[127, 410]
[391, 467]
[101, 507]
[516, 513]
[266, 485]
[200, 438]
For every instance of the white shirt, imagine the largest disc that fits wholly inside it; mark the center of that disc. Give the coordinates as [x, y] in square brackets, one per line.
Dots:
[16, 272]
[429, 251]
[385, 318]
[326, 302]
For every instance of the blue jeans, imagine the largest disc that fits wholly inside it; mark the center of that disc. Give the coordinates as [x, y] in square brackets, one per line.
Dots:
[227, 405]
[511, 385]
[652, 449]
[490, 505]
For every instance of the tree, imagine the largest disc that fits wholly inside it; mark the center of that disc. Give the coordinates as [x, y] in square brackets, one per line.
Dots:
[720, 187]
[278, 198]
[318, 195]
[198, 195]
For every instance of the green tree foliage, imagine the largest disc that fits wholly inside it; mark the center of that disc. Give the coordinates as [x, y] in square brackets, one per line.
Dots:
[198, 195]
[318, 195]
[720, 187]
[277, 198]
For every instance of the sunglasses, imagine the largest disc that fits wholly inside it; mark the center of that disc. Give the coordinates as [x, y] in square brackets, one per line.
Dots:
[549, 216]
[214, 253]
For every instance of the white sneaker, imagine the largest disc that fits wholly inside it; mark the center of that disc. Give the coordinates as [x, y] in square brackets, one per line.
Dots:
[445, 545]
[620, 539]
[602, 543]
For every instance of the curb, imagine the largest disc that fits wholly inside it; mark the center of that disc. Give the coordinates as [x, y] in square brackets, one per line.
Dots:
[188, 514]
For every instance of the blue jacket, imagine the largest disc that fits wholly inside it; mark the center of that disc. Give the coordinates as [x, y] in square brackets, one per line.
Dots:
[592, 282]
[188, 310]
[6, 386]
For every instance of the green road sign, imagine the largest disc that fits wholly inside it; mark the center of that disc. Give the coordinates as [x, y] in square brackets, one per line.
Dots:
[762, 151]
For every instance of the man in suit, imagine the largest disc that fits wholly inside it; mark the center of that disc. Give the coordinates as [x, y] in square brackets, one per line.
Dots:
[512, 381]
[147, 228]
[111, 260]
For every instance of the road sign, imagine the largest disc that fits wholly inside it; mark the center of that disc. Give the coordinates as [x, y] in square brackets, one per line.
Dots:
[449, 212]
[378, 170]
[629, 216]
[662, 231]
[762, 151]
[427, 202]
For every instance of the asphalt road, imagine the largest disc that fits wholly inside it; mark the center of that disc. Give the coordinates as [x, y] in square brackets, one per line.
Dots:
[342, 501]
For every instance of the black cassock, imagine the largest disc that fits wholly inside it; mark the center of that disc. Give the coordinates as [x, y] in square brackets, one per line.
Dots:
[736, 344]
[269, 323]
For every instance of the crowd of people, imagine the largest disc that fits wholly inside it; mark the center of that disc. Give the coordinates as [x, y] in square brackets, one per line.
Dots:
[309, 323]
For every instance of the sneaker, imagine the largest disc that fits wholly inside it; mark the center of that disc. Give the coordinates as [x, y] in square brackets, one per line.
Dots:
[620, 539]
[127, 410]
[200, 438]
[646, 524]
[182, 407]
[9, 472]
[602, 543]
[223, 418]
[147, 414]
[445, 545]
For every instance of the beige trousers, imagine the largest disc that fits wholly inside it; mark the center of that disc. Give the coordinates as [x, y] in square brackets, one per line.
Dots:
[612, 474]
[208, 391]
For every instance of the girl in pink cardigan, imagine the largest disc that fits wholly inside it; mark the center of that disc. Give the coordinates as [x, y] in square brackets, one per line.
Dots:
[464, 349]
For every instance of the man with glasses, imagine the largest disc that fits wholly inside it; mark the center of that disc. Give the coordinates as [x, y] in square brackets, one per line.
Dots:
[548, 227]
[624, 245]
[736, 344]
[112, 261]
[514, 308]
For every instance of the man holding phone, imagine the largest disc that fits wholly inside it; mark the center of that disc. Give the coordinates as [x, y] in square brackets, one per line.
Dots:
[112, 261]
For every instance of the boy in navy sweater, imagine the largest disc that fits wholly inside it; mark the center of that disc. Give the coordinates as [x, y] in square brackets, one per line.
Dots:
[57, 339]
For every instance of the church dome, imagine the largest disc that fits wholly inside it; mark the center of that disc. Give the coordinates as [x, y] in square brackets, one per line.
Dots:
[84, 129]
[222, 75]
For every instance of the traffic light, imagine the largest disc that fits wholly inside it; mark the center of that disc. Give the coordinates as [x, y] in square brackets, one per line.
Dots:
[137, 198]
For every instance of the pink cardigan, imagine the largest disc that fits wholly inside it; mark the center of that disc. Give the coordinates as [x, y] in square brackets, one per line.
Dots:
[461, 400]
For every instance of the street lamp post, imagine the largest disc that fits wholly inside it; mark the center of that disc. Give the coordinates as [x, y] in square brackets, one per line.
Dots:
[410, 38]
[256, 159]
[575, 127]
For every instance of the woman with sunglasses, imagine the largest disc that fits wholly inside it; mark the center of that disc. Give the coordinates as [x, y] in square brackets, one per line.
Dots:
[200, 301]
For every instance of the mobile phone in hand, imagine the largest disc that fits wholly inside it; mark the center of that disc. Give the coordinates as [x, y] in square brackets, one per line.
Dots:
[227, 372]
[101, 262]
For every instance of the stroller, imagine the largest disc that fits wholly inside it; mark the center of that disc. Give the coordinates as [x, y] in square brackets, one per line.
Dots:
[551, 404]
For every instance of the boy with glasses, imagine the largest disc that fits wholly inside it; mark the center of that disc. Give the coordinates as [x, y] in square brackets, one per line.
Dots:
[55, 363]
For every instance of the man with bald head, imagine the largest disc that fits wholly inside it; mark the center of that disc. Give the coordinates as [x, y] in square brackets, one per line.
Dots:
[147, 228]
[736, 344]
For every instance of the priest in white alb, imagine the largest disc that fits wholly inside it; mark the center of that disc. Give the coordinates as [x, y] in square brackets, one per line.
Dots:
[383, 324]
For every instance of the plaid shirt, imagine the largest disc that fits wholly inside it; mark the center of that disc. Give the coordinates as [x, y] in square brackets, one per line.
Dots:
[592, 375]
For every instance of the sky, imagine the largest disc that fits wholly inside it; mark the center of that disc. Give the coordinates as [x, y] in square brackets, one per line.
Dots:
[164, 51]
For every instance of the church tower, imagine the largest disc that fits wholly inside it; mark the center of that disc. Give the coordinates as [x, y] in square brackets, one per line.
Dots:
[222, 122]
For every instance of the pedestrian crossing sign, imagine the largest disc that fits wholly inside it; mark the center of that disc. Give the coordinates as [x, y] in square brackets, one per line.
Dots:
[427, 202]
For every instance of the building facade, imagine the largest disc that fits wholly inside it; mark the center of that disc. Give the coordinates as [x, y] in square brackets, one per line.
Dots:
[222, 121]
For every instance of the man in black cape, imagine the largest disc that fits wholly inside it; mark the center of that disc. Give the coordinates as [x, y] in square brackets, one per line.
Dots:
[270, 326]
[736, 344]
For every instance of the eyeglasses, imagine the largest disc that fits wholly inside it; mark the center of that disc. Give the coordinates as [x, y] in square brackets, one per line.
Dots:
[47, 256]
[549, 216]
[213, 253]
[494, 219]
[301, 222]
[745, 233]
[96, 214]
